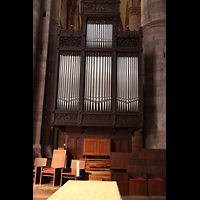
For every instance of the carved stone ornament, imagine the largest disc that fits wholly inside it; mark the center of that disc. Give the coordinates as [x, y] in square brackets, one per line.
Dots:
[70, 41]
[66, 117]
[100, 7]
[127, 119]
[127, 42]
[97, 118]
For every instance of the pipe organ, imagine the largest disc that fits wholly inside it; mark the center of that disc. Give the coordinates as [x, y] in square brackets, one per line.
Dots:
[98, 79]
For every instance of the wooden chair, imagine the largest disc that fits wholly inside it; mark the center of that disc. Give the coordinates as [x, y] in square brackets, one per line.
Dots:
[58, 162]
[70, 173]
[39, 162]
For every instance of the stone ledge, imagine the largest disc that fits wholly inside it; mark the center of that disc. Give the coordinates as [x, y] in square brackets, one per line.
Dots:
[161, 22]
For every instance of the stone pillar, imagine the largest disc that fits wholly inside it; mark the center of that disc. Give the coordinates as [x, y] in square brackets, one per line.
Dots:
[40, 74]
[47, 133]
[36, 21]
[134, 13]
[153, 21]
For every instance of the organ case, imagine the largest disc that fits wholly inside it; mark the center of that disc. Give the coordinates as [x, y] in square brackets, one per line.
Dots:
[98, 86]
[98, 72]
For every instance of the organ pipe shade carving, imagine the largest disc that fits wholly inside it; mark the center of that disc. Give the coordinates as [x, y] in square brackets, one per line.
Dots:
[127, 84]
[68, 83]
[99, 35]
[98, 73]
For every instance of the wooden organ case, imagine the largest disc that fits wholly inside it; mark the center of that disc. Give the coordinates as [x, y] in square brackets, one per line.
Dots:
[98, 86]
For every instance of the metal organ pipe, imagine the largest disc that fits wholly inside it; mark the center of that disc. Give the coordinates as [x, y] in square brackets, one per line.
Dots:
[68, 83]
[97, 96]
[99, 35]
[127, 83]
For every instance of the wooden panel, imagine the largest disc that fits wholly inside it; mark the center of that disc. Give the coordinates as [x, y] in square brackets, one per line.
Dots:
[156, 171]
[115, 145]
[98, 177]
[124, 146]
[137, 187]
[156, 188]
[122, 179]
[70, 146]
[152, 163]
[118, 160]
[103, 147]
[79, 148]
[90, 147]
[94, 177]
[136, 170]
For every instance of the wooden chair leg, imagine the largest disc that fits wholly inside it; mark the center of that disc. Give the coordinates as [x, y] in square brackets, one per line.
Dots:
[57, 176]
[61, 177]
[41, 176]
[35, 175]
[61, 180]
[34, 179]
[54, 177]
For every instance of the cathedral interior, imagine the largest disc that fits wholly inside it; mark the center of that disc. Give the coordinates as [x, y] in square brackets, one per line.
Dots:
[99, 76]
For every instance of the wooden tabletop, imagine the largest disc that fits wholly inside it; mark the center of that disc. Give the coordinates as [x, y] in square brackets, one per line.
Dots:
[87, 190]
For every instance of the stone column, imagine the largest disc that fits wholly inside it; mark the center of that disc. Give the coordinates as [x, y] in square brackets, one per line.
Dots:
[40, 75]
[36, 21]
[134, 13]
[47, 133]
[153, 21]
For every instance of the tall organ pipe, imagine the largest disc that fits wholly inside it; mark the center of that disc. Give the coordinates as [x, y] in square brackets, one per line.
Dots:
[127, 83]
[99, 35]
[68, 83]
[98, 73]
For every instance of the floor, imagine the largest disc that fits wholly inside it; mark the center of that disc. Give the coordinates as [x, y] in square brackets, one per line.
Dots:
[44, 191]
[143, 197]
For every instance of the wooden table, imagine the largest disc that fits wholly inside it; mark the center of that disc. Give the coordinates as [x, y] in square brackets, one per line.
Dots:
[88, 190]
